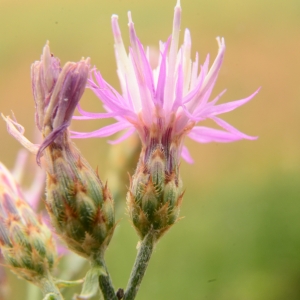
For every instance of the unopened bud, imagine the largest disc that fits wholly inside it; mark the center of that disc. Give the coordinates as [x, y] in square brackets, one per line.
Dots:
[155, 193]
[44, 74]
[80, 206]
[26, 242]
[56, 97]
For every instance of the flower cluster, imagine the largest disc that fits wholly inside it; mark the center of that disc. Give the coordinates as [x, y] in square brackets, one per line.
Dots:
[163, 104]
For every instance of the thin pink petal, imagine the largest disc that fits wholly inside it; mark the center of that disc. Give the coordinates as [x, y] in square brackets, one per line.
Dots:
[160, 89]
[185, 154]
[112, 99]
[126, 135]
[34, 194]
[189, 115]
[170, 82]
[226, 107]
[203, 134]
[232, 129]
[142, 67]
[191, 95]
[102, 132]
[92, 116]
[19, 167]
[147, 69]
[212, 75]
[203, 111]
[179, 89]
[194, 71]
[145, 93]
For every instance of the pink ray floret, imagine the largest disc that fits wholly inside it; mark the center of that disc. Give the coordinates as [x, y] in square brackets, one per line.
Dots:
[175, 95]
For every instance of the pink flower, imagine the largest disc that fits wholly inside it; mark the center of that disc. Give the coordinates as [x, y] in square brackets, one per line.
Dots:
[163, 104]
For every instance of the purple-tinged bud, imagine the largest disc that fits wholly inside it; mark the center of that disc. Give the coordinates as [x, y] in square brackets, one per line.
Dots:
[56, 92]
[80, 206]
[44, 74]
[26, 242]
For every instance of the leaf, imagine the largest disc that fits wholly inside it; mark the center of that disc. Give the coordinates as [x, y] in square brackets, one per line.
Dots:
[51, 296]
[65, 283]
[91, 283]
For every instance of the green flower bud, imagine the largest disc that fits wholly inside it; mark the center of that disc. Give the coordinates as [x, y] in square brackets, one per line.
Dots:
[80, 206]
[26, 242]
[155, 192]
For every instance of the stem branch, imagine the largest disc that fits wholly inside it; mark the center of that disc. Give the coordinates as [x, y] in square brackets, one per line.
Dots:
[140, 266]
[105, 283]
[48, 287]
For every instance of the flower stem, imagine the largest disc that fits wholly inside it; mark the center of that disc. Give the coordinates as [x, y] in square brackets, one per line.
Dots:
[140, 266]
[105, 283]
[49, 288]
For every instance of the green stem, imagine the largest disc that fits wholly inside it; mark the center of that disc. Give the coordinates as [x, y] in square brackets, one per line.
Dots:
[140, 266]
[48, 287]
[105, 282]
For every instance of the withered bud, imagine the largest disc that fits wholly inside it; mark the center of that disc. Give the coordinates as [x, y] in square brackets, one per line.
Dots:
[44, 74]
[57, 92]
[80, 206]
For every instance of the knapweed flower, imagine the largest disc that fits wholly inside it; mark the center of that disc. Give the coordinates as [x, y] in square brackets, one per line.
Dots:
[167, 102]
[163, 105]
[80, 207]
[26, 242]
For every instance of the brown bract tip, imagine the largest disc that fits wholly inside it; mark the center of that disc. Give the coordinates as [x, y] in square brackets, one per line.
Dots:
[51, 178]
[97, 172]
[180, 199]
[78, 187]
[158, 153]
[106, 192]
[170, 177]
[79, 163]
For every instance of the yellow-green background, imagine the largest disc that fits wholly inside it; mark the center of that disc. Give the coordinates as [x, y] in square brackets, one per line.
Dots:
[240, 238]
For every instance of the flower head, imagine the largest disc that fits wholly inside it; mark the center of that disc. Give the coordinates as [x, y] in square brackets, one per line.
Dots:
[163, 105]
[167, 102]
[26, 242]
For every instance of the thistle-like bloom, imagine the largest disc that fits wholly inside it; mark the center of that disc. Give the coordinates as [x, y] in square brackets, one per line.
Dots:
[26, 242]
[163, 105]
[167, 102]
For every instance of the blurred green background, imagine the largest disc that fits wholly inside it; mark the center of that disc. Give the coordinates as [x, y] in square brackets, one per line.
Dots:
[239, 239]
